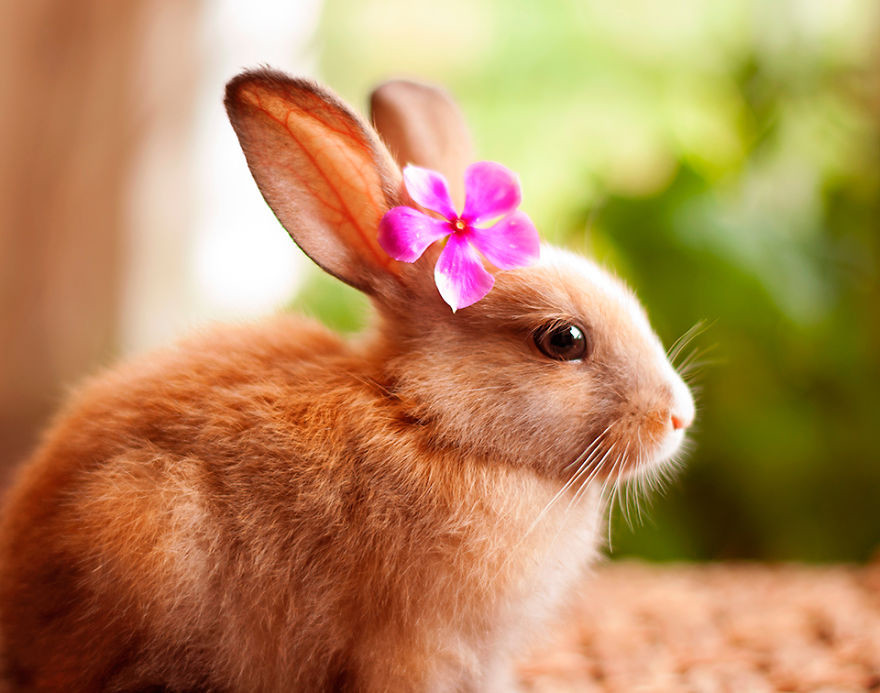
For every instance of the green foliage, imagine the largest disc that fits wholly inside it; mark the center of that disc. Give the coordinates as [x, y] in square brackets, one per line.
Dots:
[722, 157]
[327, 299]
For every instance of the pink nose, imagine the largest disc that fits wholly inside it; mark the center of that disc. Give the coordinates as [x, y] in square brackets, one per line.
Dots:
[678, 422]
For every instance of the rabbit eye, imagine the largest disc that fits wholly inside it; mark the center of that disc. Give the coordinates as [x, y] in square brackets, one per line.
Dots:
[561, 341]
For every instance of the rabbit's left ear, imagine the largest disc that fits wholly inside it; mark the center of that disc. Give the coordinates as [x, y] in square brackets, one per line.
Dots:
[322, 170]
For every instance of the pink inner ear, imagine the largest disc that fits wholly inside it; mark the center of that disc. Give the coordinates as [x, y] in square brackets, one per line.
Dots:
[322, 173]
[345, 183]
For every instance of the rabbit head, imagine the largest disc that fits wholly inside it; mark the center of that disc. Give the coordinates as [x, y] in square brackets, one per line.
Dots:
[556, 369]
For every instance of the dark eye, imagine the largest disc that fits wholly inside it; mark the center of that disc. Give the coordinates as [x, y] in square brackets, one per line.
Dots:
[561, 341]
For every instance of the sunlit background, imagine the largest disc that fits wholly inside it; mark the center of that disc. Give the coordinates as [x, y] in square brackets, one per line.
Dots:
[723, 157]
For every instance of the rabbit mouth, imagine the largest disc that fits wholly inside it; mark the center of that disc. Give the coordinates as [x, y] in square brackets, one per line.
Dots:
[670, 445]
[621, 457]
[646, 439]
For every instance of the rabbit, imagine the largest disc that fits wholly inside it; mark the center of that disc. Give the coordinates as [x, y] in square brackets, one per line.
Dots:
[271, 507]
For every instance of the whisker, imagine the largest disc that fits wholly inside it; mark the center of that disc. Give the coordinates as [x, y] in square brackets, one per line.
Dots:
[608, 478]
[689, 335]
[611, 500]
[697, 367]
[591, 476]
[596, 440]
[583, 462]
[583, 485]
[696, 353]
[625, 499]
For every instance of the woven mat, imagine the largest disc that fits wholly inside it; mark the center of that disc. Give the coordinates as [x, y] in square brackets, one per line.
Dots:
[705, 628]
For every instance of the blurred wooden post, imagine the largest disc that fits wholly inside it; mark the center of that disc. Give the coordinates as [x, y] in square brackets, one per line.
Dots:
[67, 135]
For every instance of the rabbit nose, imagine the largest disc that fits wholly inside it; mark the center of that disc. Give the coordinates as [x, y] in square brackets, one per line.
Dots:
[681, 412]
[678, 422]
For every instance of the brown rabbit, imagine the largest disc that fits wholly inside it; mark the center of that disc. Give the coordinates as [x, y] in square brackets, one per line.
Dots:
[271, 508]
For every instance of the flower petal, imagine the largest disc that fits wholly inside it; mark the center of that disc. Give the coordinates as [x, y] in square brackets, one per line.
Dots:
[404, 233]
[429, 189]
[491, 191]
[460, 276]
[512, 242]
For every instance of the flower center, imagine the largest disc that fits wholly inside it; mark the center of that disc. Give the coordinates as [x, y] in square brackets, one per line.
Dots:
[459, 225]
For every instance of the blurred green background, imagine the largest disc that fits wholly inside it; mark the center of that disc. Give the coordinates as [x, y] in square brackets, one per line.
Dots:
[724, 158]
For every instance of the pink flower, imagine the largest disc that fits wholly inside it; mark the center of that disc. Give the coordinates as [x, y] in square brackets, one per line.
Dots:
[491, 195]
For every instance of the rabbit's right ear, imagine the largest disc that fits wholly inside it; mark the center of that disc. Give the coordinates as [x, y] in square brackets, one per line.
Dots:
[321, 169]
[423, 125]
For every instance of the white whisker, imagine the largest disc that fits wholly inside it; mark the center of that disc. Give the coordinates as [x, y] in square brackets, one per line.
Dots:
[686, 338]
[583, 461]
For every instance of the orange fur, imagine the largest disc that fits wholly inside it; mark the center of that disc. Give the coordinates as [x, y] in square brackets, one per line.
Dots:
[253, 510]
[270, 508]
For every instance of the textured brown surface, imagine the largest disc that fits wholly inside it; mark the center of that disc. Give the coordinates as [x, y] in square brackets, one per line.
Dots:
[669, 628]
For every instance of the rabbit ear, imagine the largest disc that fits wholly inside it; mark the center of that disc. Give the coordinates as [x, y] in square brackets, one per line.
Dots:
[321, 169]
[422, 125]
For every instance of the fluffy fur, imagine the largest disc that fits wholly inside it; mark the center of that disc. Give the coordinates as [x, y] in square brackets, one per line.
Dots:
[270, 508]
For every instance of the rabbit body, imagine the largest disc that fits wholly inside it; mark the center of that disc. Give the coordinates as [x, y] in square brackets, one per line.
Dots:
[272, 508]
[254, 511]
